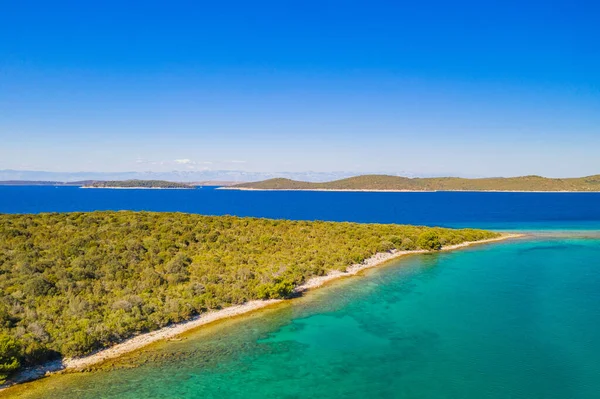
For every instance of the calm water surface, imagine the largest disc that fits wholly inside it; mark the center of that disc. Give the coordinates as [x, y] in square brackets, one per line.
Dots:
[509, 320]
[495, 210]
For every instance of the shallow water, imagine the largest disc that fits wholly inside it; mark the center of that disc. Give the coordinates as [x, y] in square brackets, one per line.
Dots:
[507, 320]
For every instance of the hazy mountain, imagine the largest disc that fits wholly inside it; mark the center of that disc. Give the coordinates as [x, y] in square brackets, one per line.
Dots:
[238, 176]
[178, 176]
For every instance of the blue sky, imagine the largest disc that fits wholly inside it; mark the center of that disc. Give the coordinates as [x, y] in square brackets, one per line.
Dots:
[470, 88]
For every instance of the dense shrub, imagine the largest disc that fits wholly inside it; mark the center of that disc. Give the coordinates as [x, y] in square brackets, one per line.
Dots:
[429, 241]
[9, 353]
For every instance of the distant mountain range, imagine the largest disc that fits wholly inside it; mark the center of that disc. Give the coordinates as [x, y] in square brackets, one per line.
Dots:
[397, 183]
[229, 176]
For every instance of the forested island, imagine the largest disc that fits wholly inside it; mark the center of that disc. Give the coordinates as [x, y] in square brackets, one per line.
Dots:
[72, 283]
[397, 183]
[138, 184]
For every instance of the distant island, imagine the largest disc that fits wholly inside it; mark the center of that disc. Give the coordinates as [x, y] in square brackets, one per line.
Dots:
[138, 184]
[44, 183]
[397, 183]
[89, 183]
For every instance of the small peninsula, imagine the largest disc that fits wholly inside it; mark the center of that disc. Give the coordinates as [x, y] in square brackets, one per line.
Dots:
[74, 283]
[138, 184]
[398, 183]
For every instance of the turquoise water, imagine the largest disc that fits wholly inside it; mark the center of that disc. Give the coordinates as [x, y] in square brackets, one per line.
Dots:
[509, 320]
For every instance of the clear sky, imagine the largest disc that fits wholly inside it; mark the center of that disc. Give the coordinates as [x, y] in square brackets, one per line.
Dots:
[471, 88]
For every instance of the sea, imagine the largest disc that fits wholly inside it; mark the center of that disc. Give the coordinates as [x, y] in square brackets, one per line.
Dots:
[514, 319]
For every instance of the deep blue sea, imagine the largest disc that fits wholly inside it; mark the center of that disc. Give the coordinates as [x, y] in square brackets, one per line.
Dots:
[512, 320]
[505, 211]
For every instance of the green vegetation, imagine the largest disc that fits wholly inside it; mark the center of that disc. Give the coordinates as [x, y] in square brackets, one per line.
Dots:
[9, 352]
[138, 184]
[430, 241]
[383, 182]
[71, 283]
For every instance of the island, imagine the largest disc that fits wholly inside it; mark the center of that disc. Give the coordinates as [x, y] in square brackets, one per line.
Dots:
[75, 283]
[139, 184]
[44, 183]
[398, 183]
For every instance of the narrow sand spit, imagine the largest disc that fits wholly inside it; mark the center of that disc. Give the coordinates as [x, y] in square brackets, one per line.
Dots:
[382, 257]
[174, 330]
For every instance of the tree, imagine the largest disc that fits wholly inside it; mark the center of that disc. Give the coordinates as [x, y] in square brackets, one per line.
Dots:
[429, 240]
[9, 352]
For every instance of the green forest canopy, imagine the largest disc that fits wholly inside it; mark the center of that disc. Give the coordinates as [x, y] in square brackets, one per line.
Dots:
[385, 182]
[71, 283]
[138, 184]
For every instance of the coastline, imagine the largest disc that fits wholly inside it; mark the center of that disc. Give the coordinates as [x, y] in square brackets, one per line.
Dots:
[352, 190]
[169, 332]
